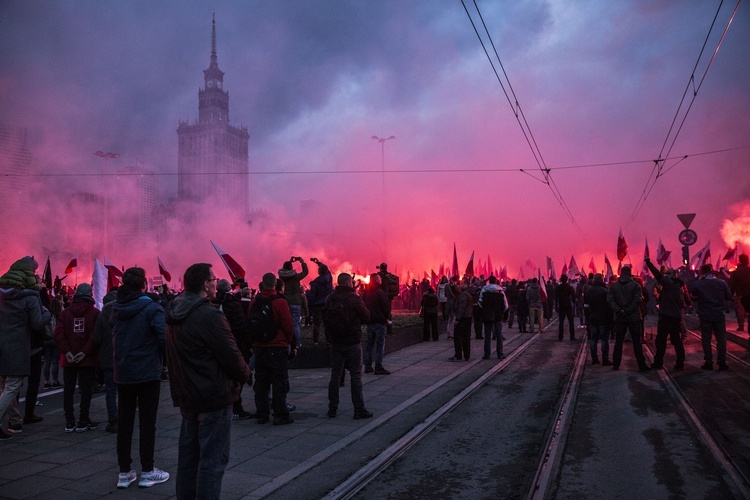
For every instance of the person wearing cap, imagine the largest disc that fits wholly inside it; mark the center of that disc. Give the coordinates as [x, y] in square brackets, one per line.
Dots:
[624, 298]
[74, 335]
[671, 304]
[711, 295]
[21, 313]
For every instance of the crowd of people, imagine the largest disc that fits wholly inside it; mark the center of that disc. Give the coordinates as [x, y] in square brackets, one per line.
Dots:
[210, 341]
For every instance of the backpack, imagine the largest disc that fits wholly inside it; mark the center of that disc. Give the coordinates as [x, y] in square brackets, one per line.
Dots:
[390, 285]
[260, 321]
[336, 319]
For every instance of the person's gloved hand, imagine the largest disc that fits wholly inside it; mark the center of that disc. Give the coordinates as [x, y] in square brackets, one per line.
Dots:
[69, 356]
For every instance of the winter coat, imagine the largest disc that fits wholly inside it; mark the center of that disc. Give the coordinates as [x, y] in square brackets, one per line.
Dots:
[565, 295]
[711, 296]
[465, 304]
[21, 314]
[378, 305]
[671, 296]
[624, 298]
[493, 302]
[206, 368]
[429, 304]
[357, 314]
[595, 297]
[320, 288]
[534, 295]
[103, 333]
[291, 279]
[74, 333]
[138, 337]
[232, 308]
[739, 283]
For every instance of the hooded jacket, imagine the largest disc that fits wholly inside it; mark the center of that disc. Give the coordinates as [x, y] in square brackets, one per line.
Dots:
[320, 288]
[74, 332]
[493, 302]
[138, 337]
[206, 368]
[291, 279]
[103, 332]
[534, 295]
[595, 296]
[21, 314]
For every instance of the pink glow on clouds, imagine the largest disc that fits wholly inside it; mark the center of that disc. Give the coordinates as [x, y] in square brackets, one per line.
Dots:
[313, 84]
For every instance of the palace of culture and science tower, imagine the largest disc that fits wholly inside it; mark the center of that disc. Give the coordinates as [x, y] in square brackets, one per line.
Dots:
[212, 157]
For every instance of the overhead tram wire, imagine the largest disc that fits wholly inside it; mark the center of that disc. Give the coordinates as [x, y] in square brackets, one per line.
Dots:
[658, 170]
[518, 113]
[355, 172]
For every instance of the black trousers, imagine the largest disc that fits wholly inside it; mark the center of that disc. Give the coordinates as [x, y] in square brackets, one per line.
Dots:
[145, 398]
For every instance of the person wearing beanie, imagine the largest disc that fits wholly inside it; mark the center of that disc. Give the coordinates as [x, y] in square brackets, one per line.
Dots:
[74, 335]
[21, 312]
[624, 298]
[320, 288]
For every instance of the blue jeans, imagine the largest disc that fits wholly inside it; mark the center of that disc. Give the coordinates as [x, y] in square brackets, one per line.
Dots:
[296, 314]
[203, 452]
[496, 329]
[375, 338]
[597, 334]
[352, 357]
[719, 329]
[111, 396]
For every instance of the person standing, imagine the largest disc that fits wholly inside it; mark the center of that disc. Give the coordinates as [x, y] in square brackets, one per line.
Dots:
[536, 304]
[624, 298]
[270, 313]
[74, 336]
[21, 314]
[207, 372]
[138, 344]
[671, 304]
[565, 296]
[600, 319]
[429, 313]
[511, 292]
[343, 316]
[494, 304]
[464, 315]
[320, 288]
[379, 307]
[293, 295]
[739, 285]
[103, 345]
[711, 295]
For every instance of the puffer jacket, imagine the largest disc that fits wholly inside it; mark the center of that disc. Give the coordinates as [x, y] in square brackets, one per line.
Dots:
[21, 314]
[206, 368]
[138, 337]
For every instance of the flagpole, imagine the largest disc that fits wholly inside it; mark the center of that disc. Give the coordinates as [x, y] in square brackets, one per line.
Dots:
[76, 269]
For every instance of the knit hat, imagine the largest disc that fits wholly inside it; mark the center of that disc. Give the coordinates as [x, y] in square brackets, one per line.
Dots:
[84, 290]
[223, 286]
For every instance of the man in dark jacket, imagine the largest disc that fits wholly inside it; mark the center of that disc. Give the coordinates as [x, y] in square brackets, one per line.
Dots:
[671, 303]
[565, 296]
[464, 315]
[103, 344]
[320, 288]
[624, 298]
[207, 371]
[272, 357]
[739, 285]
[74, 335]
[600, 319]
[21, 315]
[494, 304]
[379, 307]
[711, 296]
[293, 293]
[343, 316]
[138, 343]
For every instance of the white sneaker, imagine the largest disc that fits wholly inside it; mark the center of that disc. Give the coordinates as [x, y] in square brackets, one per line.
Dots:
[125, 478]
[149, 479]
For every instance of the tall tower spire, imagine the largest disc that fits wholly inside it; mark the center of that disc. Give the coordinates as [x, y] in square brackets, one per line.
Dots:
[214, 61]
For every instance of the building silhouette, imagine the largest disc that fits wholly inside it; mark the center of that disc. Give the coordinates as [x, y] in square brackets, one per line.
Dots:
[212, 160]
[15, 170]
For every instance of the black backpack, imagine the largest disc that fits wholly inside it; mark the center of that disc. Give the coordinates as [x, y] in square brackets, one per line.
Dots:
[336, 319]
[260, 320]
[390, 285]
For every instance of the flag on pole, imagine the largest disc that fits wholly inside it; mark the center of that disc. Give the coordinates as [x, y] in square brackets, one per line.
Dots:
[47, 275]
[662, 254]
[433, 279]
[592, 266]
[71, 265]
[622, 247]
[470, 266]
[564, 269]
[542, 287]
[114, 275]
[163, 270]
[551, 269]
[530, 264]
[490, 269]
[608, 264]
[731, 252]
[233, 268]
[504, 273]
[702, 257]
[454, 266]
[441, 271]
[573, 267]
[99, 282]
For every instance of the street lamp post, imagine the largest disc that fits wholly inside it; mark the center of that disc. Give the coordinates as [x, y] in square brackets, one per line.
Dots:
[382, 168]
[106, 156]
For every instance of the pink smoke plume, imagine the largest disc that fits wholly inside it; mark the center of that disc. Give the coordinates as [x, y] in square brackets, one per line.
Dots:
[737, 229]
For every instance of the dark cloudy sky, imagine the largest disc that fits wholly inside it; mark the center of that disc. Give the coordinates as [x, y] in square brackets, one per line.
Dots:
[599, 85]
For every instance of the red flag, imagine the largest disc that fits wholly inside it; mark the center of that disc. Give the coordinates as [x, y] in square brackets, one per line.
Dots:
[542, 287]
[608, 264]
[233, 268]
[564, 269]
[622, 247]
[646, 253]
[454, 267]
[573, 267]
[72, 265]
[47, 276]
[470, 266]
[490, 270]
[114, 274]
[592, 266]
[728, 256]
[702, 257]
[504, 273]
[441, 271]
[163, 270]
[433, 278]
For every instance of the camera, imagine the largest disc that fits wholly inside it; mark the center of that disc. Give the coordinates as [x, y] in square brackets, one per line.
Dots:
[313, 259]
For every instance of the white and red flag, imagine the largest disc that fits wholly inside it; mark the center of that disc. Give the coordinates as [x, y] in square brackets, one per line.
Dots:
[163, 270]
[564, 269]
[504, 273]
[702, 257]
[622, 247]
[542, 287]
[551, 269]
[662, 254]
[114, 274]
[47, 275]
[573, 267]
[470, 266]
[731, 252]
[609, 272]
[71, 265]
[233, 268]
[592, 266]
